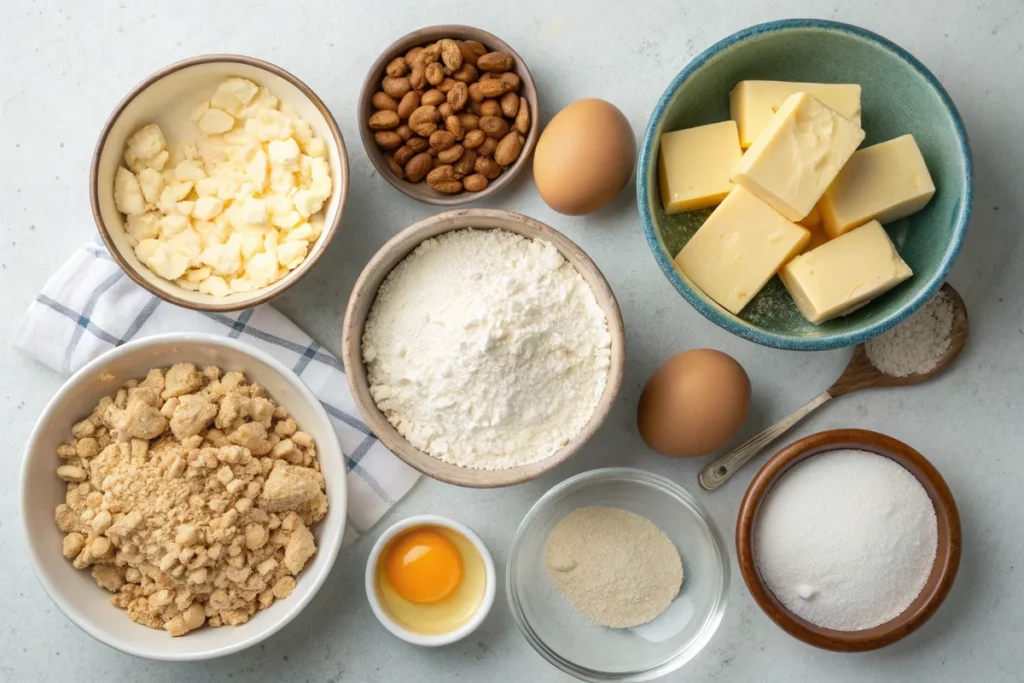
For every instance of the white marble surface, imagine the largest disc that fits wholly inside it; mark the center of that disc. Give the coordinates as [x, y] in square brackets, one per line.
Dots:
[64, 68]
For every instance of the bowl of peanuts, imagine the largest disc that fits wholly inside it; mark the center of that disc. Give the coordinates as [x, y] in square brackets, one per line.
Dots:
[183, 497]
[448, 114]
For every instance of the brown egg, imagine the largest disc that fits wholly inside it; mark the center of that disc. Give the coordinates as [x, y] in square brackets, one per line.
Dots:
[584, 157]
[693, 404]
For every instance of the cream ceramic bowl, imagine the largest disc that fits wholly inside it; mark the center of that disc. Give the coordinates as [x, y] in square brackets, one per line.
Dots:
[365, 291]
[167, 98]
[74, 591]
[397, 629]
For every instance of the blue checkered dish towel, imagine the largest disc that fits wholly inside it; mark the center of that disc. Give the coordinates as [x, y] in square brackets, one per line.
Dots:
[90, 306]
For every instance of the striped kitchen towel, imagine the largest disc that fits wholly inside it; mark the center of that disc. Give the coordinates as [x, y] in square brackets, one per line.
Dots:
[90, 306]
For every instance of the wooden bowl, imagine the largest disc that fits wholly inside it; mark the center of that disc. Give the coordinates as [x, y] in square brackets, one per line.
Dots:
[947, 557]
[365, 291]
[421, 191]
[166, 98]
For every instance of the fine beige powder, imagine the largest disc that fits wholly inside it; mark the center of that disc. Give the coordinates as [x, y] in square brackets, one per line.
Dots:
[613, 566]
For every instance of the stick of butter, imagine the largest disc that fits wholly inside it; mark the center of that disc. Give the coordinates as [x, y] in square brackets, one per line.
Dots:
[694, 166]
[752, 104]
[741, 245]
[844, 273]
[798, 155]
[884, 182]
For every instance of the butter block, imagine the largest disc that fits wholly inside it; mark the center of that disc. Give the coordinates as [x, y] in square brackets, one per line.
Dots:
[752, 104]
[798, 155]
[694, 166]
[741, 245]
[844, 273]
[884, 182]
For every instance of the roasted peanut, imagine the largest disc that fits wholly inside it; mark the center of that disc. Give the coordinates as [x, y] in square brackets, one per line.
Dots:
[454, 126]
[474, 139]
[403, 154]
[465, 165]
[404, 131]
[469, 121]
[417, 145]
[475, 183]
[467, 73]
[451, 55]
[458, 96]
[433, 97]
[446, 85]
[493, 126]
[484, 166]
[418, 76]
[381, 100]
[490, 108]
[411, 53]
[508, 149]
[385, 119]
[416, 169]
[523, 117]
[441, 139]
[443, 180]
[511, 81]
[397, 67]
[434, 73]
[474, 93]
[394, 166]
[495, 61]
[487, 149]
[445, 110]
[509, 104]
[396, 86]
[492, 88]
[423, 120]
[408, 104]
[451, 155]
[471, 50]
[387, 139]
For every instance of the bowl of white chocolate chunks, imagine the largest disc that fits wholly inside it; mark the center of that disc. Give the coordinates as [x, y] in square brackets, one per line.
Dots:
[183, 496]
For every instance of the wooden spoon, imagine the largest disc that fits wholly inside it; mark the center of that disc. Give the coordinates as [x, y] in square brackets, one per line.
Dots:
[859, 374]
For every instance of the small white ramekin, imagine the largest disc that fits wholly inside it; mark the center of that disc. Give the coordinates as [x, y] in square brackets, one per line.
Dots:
[417, 638]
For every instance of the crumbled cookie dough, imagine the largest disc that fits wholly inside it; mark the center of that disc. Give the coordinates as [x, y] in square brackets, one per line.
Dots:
[189, 496]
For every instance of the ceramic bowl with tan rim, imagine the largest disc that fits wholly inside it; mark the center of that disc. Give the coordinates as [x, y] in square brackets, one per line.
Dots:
[947, 556]
[372, 83]
[167, 98]
[365, 291]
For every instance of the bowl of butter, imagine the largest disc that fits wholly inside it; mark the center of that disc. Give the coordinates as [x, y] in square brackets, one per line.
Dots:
[218, 182]
[805, 184]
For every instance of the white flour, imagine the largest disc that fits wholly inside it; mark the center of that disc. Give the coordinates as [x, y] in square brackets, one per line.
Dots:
[846, 540]
[916, 345]
[486, 349]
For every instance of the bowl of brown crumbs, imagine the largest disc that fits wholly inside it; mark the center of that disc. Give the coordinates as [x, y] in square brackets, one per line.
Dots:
[183, 497]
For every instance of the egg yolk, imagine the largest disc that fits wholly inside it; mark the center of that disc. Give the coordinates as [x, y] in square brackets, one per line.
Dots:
[424, 566]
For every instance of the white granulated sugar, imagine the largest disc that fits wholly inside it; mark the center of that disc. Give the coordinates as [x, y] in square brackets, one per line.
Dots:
[846, 540]
[916, 345]
[486, 349]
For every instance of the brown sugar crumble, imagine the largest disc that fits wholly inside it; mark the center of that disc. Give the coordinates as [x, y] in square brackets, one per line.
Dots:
[189, 496]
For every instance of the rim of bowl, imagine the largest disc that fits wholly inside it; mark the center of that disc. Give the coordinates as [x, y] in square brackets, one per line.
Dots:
[438, 640]
[329, 547]
[528, 90]
[682, 496]
[738, 326]
[355, 369]
[944, 568]
[268, 293]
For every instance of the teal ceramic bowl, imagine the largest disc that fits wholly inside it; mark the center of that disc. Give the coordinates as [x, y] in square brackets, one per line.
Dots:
[899, 96]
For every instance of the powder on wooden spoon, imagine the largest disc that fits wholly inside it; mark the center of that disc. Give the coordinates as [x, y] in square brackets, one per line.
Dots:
[613, 566]
[917, 345]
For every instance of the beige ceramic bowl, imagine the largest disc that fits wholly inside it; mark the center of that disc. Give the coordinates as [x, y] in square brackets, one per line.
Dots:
[166, 98]
[365, 291]
[421, 191]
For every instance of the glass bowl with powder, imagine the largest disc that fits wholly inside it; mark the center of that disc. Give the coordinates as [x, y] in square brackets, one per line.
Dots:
[618, 575]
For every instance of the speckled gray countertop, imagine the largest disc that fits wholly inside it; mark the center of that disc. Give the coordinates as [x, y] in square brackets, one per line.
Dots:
[64, 69]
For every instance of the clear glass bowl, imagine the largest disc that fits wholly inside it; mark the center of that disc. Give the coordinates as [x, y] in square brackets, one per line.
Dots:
[591, 652]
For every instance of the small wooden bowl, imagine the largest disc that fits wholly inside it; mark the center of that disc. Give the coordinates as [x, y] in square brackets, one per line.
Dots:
[166, 98]
[947, 557]
[421, 191]
[365, 291]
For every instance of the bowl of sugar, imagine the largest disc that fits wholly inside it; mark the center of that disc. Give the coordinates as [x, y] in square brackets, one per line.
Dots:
[849, 540]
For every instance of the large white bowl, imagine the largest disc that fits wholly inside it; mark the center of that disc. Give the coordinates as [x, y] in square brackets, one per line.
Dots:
[75, 592]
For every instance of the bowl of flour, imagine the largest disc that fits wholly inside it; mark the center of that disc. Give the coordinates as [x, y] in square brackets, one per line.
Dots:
[483, 348]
